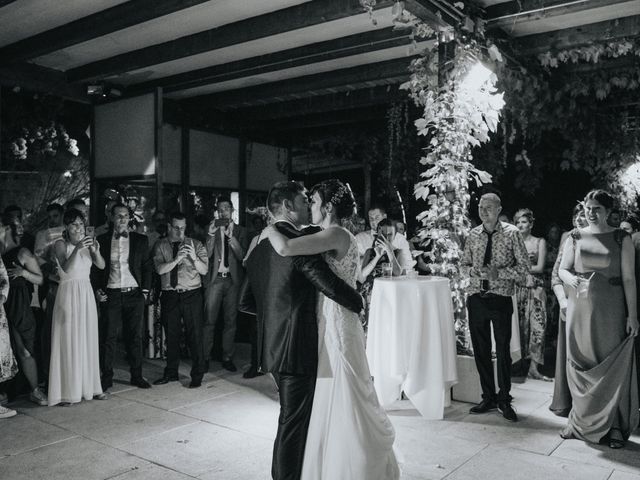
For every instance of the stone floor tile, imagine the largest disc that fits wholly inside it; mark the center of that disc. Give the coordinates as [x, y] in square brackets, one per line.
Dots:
[249, 411]
[618, 475]
[115, 421]
[73, 459]
[506, 463]
[206, 451]
[27, 433]
[151, 471]
[625, 459]
[175, 395]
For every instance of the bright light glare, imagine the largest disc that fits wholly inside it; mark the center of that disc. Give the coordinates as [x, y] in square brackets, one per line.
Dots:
[67, 174]
[476, 77]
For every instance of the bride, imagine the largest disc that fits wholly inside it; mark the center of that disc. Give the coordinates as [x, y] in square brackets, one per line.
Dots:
[350, 435]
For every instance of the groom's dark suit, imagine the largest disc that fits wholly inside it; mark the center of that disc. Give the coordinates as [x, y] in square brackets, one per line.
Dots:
[284, 290]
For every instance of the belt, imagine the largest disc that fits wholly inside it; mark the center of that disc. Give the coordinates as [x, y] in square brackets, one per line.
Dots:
[224, 274]
[124, 290]
[181, 290]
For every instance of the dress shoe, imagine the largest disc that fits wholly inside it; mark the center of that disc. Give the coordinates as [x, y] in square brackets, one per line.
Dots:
[164, 380]
[229, 365]
[101, 396]
[507, 411]
[106, 384]
[483, 407]
[195, 383]
[252, 373]
[140, 383]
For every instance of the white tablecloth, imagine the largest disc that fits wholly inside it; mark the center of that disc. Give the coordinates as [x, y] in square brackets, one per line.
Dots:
[411, 344]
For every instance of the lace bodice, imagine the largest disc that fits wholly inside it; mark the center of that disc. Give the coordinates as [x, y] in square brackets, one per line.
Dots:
[347, 267]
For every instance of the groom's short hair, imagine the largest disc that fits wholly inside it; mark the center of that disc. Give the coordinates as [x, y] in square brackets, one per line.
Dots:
[282, 191]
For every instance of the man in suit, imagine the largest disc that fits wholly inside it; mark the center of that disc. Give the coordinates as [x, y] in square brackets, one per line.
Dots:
[284, 290]
[124, 286]
[226, 246]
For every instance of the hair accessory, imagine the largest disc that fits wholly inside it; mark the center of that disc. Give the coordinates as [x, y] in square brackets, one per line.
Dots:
[337, 196]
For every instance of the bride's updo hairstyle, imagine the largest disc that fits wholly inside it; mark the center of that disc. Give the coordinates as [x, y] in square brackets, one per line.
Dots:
[338, 194]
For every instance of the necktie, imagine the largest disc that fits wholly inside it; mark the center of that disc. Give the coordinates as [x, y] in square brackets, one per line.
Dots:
[488, 250]
[487, 257]
[173, 275]
[225, 255]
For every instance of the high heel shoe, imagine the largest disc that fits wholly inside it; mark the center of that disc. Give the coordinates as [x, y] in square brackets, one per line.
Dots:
[539, 376]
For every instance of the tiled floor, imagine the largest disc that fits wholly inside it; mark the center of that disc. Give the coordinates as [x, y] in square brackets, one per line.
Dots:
[225, 429]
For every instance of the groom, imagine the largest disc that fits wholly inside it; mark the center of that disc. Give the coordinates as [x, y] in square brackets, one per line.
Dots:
[284, 290]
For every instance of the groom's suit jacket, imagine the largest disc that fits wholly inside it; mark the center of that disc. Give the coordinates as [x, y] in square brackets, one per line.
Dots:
[284, 291]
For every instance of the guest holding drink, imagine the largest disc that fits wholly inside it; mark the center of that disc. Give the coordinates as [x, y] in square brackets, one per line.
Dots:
[598, 269]
[74, 372]
[561, 403]
[531, 297]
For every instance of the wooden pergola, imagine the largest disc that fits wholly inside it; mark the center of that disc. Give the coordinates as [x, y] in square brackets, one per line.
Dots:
[270, 70]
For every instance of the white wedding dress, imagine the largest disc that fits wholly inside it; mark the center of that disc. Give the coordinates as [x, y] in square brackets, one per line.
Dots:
[350, 436]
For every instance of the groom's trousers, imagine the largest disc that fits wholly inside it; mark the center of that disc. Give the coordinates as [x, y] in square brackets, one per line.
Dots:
[296, 400]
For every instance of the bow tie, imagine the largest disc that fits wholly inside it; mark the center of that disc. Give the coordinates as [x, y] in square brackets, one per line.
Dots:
[117, 235]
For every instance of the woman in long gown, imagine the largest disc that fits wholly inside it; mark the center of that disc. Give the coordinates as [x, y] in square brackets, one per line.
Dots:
[598, 269]
[531, 297]
[74, 372]
[350, 435]
[561, 403]
[8, 364]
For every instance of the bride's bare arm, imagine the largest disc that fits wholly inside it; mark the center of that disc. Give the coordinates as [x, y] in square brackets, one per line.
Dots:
[322, 241]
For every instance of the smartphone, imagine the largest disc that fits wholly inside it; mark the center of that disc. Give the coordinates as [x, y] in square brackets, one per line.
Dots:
[90, 231]
[221, 222]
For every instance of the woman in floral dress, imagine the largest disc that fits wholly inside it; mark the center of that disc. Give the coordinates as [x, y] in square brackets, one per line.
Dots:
[8, 364]
[532, 299]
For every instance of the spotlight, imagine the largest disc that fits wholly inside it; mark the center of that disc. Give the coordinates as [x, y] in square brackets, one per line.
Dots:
[97, 89]
[476, 77]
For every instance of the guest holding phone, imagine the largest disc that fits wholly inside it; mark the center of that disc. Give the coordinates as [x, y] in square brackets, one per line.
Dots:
[181, 261]
[74, 372]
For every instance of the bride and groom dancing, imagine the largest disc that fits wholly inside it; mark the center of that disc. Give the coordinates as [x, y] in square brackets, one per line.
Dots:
[331, 426]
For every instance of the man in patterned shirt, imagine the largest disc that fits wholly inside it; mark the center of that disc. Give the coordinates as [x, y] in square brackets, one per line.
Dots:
[494, 258]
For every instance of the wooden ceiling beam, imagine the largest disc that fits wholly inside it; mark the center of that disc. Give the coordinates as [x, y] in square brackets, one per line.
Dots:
[293, 18]
[511, 13]
[352, 78]
[578, 36]
[92, 26]
[34, 78]
[438, 14]
[294, 57]
[301, 122]
[366, 97]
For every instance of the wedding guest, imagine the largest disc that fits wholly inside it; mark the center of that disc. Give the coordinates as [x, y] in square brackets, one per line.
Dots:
[8, 364]
[226, 247]
[107, 226]
[24, 272]
[630, 224]
[380, 256]
[531, 296]
[615, 217]
[12, 212]
[561, 402]
[366, 240]
[494, 259]
[181, 261]
[74, 372]
[124, 284]
[598, 270]
[80, 205]
[44, 252]
[553, 236]
[201, 227]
